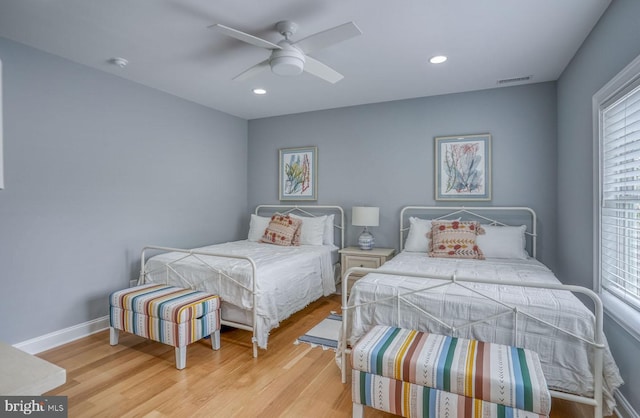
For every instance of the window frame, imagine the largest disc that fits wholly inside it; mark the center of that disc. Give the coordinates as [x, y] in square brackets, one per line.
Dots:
[624, 82]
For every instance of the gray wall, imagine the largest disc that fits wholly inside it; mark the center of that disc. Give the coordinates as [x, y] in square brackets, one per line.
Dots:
[382, 154]
[613, 43]
[95, 168]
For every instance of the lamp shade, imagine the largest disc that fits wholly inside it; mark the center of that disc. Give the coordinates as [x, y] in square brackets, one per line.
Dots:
[365, 216]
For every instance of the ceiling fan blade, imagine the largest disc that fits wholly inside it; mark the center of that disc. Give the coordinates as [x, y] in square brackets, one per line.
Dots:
[255, 70]
[328, 37]
[244, 37]
[315, 67]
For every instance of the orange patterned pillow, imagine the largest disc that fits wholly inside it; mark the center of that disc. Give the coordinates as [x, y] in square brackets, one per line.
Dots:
[282, 230]
[455, 239]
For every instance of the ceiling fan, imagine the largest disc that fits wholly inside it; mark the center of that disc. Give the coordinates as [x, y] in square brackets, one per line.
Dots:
[290, 58]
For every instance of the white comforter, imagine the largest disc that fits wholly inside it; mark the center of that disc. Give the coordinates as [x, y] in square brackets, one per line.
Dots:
[288, 278]
[566, 361]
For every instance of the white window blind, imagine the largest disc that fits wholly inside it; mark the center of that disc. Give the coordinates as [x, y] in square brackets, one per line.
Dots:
[620, 197]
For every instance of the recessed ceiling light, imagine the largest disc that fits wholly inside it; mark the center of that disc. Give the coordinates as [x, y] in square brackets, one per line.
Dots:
[259, 91]
[438, 59]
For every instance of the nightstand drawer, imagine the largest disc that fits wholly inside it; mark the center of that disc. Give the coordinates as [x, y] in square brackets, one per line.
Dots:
[355, 257]
[366, 262]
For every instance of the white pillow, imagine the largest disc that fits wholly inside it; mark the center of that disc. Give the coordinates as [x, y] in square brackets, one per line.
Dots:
[257, 225]
[503, 242]
[312, 230]
[328, 230]
[417, 240]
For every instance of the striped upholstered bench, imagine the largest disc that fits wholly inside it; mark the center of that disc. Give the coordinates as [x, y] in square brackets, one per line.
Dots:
[411, 373]
[167, 314]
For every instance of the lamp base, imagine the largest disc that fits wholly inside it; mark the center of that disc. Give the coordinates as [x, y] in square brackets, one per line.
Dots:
[366, 240]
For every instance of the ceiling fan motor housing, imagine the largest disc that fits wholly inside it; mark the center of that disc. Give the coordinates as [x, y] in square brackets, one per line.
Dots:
[287, 61]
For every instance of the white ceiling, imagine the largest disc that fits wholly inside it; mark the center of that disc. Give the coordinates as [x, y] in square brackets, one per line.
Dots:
[170, 48]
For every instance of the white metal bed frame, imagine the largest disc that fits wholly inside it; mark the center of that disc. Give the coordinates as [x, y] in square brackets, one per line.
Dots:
[596, 342]
[306, 210]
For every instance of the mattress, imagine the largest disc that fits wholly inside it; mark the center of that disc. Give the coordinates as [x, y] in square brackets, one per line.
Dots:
[288, 279]
[566, 361]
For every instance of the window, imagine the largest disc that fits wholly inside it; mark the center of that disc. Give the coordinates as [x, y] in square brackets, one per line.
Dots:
[617, 116]
[620, 199]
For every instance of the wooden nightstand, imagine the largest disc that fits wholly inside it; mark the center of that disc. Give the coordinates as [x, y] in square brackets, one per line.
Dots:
[355, 257]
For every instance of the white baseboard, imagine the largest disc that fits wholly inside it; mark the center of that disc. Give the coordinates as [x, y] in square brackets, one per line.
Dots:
[623, 407]
[63, 336]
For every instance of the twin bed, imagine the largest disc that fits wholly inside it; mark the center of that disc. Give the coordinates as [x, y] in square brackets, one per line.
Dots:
[508, 298]
[260, 284]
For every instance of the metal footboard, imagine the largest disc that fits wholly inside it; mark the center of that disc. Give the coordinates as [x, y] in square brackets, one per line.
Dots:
[188, 283]
[596, 342]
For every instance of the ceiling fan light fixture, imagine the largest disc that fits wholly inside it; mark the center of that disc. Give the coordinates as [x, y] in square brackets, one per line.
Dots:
[288, 61]
[287, 66]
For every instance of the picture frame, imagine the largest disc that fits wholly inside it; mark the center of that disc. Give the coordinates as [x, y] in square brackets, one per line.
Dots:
[463, 167]
[298, 173]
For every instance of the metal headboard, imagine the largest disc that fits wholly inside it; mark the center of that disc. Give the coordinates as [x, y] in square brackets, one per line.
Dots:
[480, 213]
[310, 210]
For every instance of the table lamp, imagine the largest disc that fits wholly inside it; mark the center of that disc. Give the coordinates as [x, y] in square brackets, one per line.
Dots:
[365, 216]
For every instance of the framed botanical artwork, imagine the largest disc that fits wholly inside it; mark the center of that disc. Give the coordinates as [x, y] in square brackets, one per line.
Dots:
[463, 167]
[298, 178]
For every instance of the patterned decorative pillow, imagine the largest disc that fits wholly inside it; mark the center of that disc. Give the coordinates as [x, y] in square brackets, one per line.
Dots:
[282, 230]
[455, 239]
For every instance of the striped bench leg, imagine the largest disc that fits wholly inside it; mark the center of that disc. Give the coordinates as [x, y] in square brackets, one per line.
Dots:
[358, 410]
[113, 336]
[181, 357]
[215, 340]
[181, 352]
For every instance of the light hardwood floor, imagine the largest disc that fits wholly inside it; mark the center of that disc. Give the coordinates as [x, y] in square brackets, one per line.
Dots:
[137, 378]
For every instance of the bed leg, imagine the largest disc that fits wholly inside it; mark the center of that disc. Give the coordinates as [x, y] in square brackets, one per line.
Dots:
[113, 336]
[255, 349]
[358, 410]
[215, 340]
[343, 366]
[181, 357]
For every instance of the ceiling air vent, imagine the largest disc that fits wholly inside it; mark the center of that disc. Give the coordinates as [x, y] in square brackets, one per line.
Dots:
[514, 80]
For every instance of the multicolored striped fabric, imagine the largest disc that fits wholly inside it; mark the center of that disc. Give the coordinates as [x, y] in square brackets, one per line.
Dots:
[166, 314]
[169, 303]
[167, 332]
[411, 400]
[495, 373]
